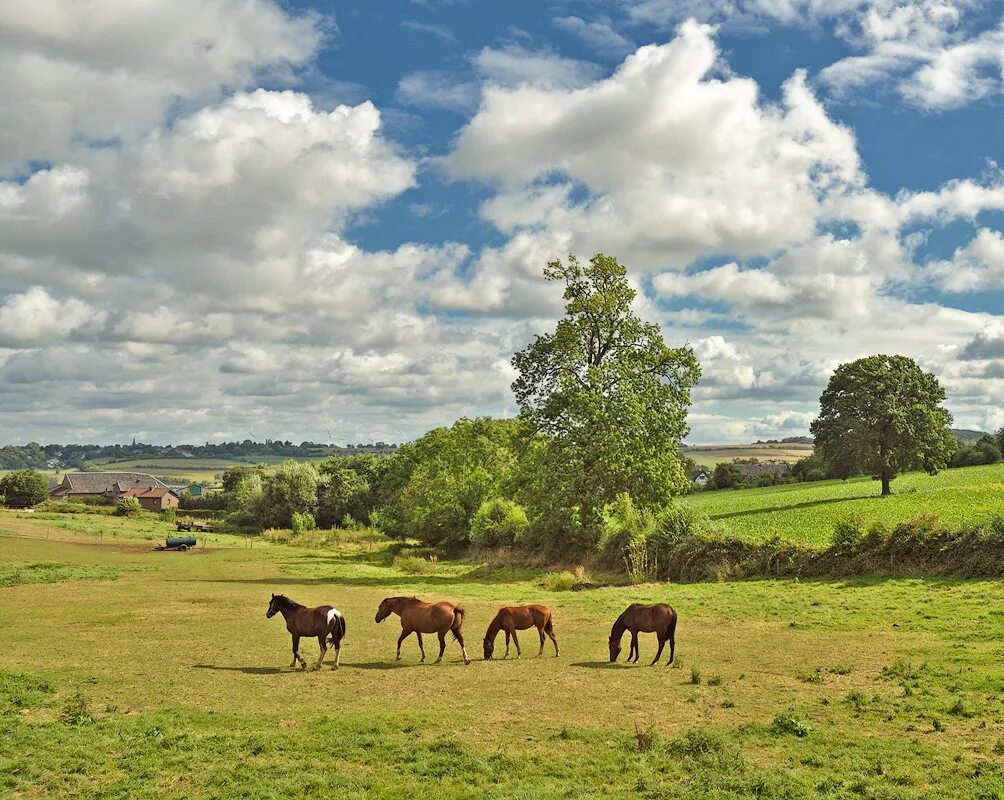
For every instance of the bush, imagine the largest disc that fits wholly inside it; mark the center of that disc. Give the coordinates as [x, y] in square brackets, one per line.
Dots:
[128, 506]
[559, 581]
[169, 514]
[415, 565]
[301, 522]
[498, 523]
[790, 724]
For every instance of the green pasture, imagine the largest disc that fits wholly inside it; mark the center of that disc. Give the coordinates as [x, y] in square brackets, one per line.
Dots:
[807, 512]
[132, 673]
[194, 469]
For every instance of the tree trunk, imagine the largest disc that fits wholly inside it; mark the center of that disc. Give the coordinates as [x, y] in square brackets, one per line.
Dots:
[885, 485]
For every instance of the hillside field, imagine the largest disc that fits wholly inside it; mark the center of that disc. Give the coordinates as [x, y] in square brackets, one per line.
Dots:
[709, 455]
[125, 672]
[807, 512]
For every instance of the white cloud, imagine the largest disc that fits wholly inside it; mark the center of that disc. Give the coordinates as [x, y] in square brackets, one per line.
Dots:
[105, 71]
[35, 317]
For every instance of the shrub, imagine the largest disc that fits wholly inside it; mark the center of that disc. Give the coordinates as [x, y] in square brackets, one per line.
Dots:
[790, 724]
[559, 581]
[695, 676]
[498, 523]
[414, 565]
[128, 506]
[75, 711]
[169, 514]
[302, 522]
[24, 488]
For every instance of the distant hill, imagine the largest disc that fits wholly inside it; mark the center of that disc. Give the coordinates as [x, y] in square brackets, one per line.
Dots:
[967, 436]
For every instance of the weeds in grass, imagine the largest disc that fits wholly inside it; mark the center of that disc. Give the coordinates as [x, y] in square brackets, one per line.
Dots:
[790, 724]
[715, 680]
[709, 748]
[695, 675]
[75, 711]
[23, 690]
[816, 676]
[15, 575]
[645, 738]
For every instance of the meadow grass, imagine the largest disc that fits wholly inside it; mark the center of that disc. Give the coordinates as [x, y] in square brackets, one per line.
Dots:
[169, 682]
[807, 512]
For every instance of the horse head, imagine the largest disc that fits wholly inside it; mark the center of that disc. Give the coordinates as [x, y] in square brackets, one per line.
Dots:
[489, 649]
[385, 609]
[615, 648]
[271, 608]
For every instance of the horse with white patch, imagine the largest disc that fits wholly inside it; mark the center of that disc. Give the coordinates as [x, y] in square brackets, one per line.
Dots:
[322, 622]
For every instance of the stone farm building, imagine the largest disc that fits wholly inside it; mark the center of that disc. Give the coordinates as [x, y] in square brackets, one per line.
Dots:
[754, 471]
[156, 499]
[108, 487]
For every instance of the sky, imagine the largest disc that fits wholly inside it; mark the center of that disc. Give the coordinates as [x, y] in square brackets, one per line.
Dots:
[328, 221]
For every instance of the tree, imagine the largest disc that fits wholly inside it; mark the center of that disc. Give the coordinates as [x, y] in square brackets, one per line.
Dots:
[289, 489]
[608, 396]
[24, 488]
[726, 475]
[882, 415]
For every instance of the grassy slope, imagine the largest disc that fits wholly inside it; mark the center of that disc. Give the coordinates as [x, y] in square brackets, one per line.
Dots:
[189, 686]
[807, 512]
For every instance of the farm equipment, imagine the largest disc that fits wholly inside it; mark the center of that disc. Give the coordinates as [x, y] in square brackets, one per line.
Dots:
[181, 543]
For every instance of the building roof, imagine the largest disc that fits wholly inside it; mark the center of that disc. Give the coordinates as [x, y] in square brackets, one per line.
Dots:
[143, 491]
[106, 482]
[756, 470]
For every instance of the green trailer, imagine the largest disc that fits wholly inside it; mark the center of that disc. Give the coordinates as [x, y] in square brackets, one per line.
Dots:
[181, 543]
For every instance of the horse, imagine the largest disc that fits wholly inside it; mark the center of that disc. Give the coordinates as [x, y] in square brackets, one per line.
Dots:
[520, 618]
[419, 617]
[659, 618]
[302, 621]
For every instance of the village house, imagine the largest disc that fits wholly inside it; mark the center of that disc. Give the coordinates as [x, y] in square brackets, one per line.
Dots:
[102, 487]
[158, 498]
[750, 472]
[702, 478]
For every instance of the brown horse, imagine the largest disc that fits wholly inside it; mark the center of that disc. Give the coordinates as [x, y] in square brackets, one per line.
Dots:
[419, 617]
[520, 618]
[302, 621]
[659, 619]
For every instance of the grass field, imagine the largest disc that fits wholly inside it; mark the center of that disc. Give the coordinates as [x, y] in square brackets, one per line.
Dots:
[709, 455]
[807, 512]
[142, 674]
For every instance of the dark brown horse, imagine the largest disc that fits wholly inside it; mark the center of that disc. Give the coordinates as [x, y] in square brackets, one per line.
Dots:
[659, 619]
[520, 618]
[321, 622]
[419, 617]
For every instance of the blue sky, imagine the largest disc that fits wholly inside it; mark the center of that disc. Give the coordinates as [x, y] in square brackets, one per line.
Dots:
[226, 216]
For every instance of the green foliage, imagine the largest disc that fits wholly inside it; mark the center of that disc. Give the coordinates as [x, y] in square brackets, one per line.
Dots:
[75, 711]
[24, 488]
[726, 475]
[433, 487]
[609, 399]
[498, 523]
[290, 488]
[984, 451]
[790, 724]
[128, 506]
[301, 522]
[344, 490]
[882, 415]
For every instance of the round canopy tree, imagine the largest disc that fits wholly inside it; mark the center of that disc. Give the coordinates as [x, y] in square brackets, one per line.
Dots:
[24, 488]
[608, 396]
[883, 415]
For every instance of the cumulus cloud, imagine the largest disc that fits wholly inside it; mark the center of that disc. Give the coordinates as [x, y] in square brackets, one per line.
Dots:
[131, 62]
[34, 317]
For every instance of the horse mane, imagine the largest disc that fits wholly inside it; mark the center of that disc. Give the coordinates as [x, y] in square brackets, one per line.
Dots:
[282, 600]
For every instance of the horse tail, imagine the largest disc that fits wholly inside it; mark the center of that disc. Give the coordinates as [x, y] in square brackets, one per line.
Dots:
[458, 621]
[672, 624]
[549, 625]
[341, 626]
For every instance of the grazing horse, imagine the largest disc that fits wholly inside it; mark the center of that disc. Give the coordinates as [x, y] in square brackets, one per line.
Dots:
[659, 619]
[302, 621]
[420, 617]
[520, 618]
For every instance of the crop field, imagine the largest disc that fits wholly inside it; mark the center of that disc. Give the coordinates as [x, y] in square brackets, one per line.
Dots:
[807, 512]
[709, 455]
[194, 469]
[127, 672]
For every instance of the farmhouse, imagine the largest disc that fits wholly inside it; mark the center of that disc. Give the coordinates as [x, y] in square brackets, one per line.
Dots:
[753, 471]
[102, 487]
[157, 498]
[702, 478]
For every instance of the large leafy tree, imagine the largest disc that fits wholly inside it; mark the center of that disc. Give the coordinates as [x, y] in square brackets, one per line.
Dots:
[883, 415]
[24, 488]
[607, 395]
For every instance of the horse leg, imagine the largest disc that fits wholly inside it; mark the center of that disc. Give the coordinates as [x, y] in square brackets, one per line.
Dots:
[506, 645]
[519, 653]
[463, 648]
[634, 646]
[404, 635]
[296, 653]
[442, 645]
[540, 632]
[672, 646]
[322, 641]
[658, 655]
[420, 646]
[550, 632]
